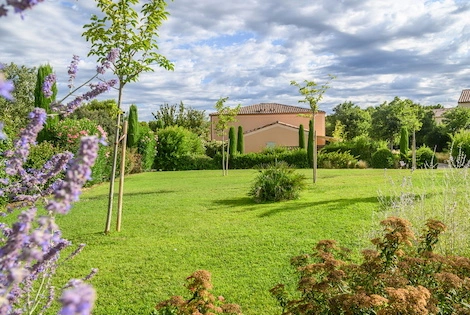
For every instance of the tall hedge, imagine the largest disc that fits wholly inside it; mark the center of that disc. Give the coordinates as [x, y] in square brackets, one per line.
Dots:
[133, 128]
[232, 138]
[240, 141]
[310, 144]
[301, 137]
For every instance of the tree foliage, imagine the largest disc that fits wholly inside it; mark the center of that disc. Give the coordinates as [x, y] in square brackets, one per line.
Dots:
[240, 140]
[301, 137]
[457, 119]
[180, 115]
[310, 143]
[41, 101]
[232, 138]
[14, 114]
[356, 122]
[133, 127]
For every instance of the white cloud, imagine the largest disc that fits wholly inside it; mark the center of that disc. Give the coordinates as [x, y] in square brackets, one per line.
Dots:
[251, 50]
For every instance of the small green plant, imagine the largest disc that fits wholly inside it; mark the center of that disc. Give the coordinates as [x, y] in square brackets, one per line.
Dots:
[277, 182]
[382, 158]
[336, 160]
[202, 301]
[396, 278]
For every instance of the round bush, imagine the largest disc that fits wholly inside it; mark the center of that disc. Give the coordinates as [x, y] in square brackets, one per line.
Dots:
[336, 160]
[425, 158]
[277, 182]
[382, 158]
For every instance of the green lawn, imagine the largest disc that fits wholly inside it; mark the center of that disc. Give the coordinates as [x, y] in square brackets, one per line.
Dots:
[177, 222]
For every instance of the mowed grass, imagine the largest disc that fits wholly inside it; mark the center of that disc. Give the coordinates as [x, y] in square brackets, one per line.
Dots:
[175, 223]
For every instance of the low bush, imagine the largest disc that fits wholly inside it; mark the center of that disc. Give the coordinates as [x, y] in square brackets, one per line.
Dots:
[461, 148]
[147, 147]
[277, 182]
[382, 158]
[296, 158]
[361, 147]
[425, 158]
[396, 278]
[201, 302]
[336, 160]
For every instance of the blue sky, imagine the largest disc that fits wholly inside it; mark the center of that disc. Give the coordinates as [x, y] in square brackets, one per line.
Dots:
[250, 50]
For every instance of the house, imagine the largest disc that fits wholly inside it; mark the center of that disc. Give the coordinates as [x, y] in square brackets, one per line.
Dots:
[270, 124]
[464, 99]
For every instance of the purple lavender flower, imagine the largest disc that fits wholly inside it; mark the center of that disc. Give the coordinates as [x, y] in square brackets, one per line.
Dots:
[78, 172]
[78, 299]
[73, 68]
[48, 84]
[19, 6]
[6, 87]
[110, 59]
[27, 137]
[3, 136]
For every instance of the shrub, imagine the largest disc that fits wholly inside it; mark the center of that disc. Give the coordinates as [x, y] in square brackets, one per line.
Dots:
[173, 144]
[461, 147]
[396, 278]
[382, 158]
[213, 147]
[361, 147]
[277, 182]
[425, 158]
[66, 133]
[40, 154]
[336, 160]
[202, 301]
[147, 147]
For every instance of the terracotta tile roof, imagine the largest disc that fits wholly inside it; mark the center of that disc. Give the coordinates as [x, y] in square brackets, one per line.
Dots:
[271, 108]
[465, 96]
[272, 124]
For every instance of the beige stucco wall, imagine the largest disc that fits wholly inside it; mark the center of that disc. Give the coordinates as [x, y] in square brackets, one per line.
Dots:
[280, 135]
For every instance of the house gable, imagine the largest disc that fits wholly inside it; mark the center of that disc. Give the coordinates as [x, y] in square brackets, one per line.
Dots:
[464, 99]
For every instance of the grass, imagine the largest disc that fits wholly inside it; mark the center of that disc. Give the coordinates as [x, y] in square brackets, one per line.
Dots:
[177, 222]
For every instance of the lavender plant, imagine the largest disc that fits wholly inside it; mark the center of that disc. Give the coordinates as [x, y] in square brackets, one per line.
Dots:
[30, 247]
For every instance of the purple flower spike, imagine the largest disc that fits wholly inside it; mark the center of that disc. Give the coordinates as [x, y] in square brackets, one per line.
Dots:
[3, 136]
[77, 174]
[48, 84]
[73, 68]
[78, 300]
[6, 87]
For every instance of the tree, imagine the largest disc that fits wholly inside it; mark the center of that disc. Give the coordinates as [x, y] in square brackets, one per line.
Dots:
[14, 113]
[43, 101]
[356, 121]
[310, 143]
[411, 120]
[133, 127]
[301, 137]
[240, 141]
[226, 115]
[312, 95]
[133, 35]
[232, 138]
[386, 122]
[457, 119]
[187, 117]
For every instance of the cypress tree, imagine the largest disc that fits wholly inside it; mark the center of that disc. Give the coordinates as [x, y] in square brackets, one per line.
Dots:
[133, 128]
[301, 137]
[232, 138]
[310, 143]
[404, 143]
[41, 101]
[240, 141]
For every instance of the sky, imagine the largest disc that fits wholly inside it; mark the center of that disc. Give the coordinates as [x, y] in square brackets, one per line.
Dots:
[250, 51]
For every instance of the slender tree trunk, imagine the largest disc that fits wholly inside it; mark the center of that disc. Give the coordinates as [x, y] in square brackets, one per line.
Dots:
[227, 158]
[113, 173]
[223, 154]
[314, 155]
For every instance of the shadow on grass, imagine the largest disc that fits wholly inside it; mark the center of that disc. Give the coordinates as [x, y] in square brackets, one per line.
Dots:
[337, 203]
[235, 202]
[137, 193]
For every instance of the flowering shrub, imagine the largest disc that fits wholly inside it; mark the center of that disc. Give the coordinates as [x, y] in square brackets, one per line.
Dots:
[201, 302]
[402, 276]
[30, 247]
[66, 134]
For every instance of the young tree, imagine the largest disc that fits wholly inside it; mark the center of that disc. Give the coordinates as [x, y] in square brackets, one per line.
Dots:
[411, 120]
[301, 137]
[42, 101]
[313, 94]
[133, 128]
[232, 138]
[356, 121]
[225, 117]
[131, 36]
[240, 141]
